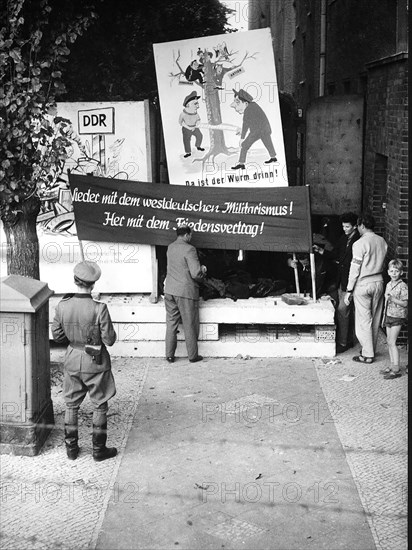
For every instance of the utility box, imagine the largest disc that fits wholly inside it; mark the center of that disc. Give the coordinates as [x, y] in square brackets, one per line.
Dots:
[26, 408]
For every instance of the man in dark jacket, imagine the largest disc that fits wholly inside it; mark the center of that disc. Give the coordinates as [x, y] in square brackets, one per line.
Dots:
[342, 255]
[255, 124]
[182, 294]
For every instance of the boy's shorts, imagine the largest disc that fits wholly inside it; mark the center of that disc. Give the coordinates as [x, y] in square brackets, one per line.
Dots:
[393, 321]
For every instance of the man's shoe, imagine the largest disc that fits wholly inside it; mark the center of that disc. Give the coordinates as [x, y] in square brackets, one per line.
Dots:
[187, 155]
[341, 349]
[272, 159]
[238, 167]
[196, 359]
[362, 359]
[170, 359]
[200, 148]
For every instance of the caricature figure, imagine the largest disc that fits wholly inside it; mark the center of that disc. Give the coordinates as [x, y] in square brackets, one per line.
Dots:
[219, 73]
[189, 121]
[256, 123]
[194, 72]
[222, 52]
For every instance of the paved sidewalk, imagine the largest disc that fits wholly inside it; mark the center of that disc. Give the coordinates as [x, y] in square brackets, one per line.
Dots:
[226, 453]
[371, 417]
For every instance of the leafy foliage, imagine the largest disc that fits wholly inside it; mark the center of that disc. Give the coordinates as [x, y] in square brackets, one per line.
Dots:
[34, 45]
[114, 60]
[36, 40]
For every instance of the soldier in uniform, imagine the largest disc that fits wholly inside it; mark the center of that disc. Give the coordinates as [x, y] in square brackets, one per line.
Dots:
[83, 373]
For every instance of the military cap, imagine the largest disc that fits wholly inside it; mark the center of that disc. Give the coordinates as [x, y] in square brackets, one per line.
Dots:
[190, 97]
[86, 271]
[242, 95]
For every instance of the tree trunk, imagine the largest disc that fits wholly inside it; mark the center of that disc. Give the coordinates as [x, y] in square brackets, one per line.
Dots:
[214, 116]
[22, 240]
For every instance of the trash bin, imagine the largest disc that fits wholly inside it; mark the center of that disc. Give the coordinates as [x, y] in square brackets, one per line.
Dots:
[26, 408]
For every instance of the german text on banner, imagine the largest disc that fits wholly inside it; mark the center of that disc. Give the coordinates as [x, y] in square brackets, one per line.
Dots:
[272, 219]
[219, 102]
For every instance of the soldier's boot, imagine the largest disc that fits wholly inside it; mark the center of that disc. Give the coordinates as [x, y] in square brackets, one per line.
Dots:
[71, 439]
[100, 451]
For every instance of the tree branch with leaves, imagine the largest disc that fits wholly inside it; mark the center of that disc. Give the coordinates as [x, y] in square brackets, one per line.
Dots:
[34, 45]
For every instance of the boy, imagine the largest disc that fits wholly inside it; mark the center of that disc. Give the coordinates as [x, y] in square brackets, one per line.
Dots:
[396, 311]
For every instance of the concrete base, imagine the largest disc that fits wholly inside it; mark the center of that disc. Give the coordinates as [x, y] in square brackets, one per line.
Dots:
[245, 340]
[27, 439]
[258, 327]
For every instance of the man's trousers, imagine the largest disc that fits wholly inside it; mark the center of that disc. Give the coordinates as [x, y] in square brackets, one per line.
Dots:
[368, 299]
[187, 136]
[344, 321]
[185, 310]
[250, 140]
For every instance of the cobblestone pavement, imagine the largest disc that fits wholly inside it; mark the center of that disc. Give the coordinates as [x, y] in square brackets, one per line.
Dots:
[48, 502]
[371, 415]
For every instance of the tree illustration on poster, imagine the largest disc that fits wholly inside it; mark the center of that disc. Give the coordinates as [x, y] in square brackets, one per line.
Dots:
[214, 70]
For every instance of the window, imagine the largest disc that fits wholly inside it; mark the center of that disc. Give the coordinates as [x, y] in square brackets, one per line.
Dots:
[331, 88]
[346, 87]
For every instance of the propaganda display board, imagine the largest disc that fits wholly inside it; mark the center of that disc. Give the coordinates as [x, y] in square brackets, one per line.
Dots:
[271, 219]
[220, 111]
[108, 139]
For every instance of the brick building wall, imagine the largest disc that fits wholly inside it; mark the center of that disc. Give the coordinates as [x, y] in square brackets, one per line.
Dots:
[386, 155]
[357, 32]
[386, 151]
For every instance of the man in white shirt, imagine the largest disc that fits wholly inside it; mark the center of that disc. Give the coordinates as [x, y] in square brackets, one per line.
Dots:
[365, 285]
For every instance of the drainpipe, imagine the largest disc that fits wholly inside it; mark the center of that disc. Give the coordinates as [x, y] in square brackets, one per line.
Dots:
[322, 55]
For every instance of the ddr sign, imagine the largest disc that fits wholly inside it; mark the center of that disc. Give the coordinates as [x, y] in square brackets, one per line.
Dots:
[96, 121]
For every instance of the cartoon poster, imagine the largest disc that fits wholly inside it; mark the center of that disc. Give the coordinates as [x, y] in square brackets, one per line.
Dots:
[220, 111]
[108, 139]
